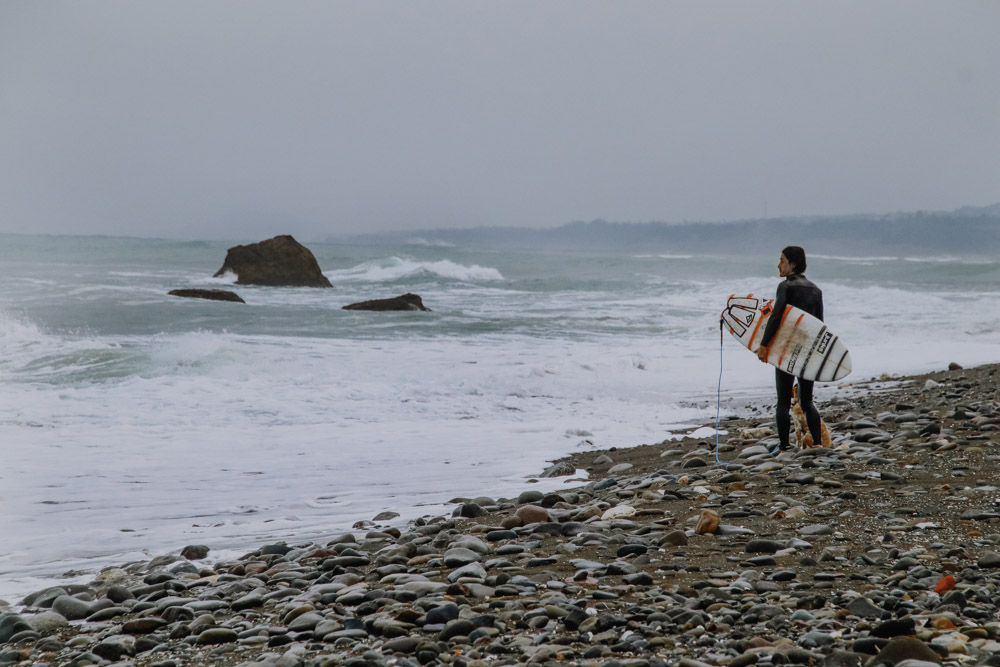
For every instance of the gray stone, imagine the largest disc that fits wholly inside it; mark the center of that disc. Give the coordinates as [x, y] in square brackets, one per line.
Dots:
[307, 621]
[119, 594]
[901, 649]
[248, 601]
[455, 628]
[472, 571]
[469, 511]
[113, 648]
[442, 614]
[424, 588]
[47, 622]
[459, 557]
[71, 608]
[217, 636]
[677, 538]
[764, 546]
[863, 608]
[840, 658]
[589, 565]
[530, 497]
[402, 644]
[990, 560]
[144, 625]
[471, 543]
[563, 469]
[44, 598]
[195, 551]
[10, 625]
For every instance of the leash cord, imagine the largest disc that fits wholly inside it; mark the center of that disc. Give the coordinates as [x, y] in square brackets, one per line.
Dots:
[718, 398]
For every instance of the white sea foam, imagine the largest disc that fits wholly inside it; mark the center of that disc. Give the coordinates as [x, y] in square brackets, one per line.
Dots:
[227, 278]
[133, 423]
[664, 256]
[855, 259]
[395, 268]
[430, 244]
[165, 454]
[870, 260]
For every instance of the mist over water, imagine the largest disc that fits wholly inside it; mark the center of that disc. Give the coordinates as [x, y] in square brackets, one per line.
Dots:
[133, 423]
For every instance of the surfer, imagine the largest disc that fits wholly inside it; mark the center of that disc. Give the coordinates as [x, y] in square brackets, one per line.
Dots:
[795, 290]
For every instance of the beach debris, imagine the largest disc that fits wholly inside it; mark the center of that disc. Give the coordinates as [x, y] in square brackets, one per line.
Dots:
[708, 522]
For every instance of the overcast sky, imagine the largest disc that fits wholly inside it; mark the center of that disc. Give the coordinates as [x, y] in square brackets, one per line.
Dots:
[242, 119]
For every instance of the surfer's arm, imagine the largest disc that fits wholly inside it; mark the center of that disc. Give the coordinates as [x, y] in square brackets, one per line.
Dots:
[773, 322]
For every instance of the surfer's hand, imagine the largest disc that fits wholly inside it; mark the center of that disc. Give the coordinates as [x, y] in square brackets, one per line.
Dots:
[762, 353]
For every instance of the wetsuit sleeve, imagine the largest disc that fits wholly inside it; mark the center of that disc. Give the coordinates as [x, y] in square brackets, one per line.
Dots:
[773, 322]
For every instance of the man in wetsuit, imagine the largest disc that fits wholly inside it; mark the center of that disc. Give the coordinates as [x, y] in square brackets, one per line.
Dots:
[796, 290]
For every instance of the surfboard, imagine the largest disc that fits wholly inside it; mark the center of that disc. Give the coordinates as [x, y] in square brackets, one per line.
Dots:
[802, 346]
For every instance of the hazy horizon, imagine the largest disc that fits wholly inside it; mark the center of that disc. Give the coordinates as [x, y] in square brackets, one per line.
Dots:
[245, 119]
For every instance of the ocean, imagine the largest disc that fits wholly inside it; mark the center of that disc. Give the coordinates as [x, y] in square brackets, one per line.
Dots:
[133, 423]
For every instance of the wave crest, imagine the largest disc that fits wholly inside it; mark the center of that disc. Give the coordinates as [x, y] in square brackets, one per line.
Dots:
[392, 269]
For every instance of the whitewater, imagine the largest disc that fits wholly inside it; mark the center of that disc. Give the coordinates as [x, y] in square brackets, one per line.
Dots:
[133, 423]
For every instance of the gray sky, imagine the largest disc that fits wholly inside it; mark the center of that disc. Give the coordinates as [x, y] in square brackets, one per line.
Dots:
[243, 119]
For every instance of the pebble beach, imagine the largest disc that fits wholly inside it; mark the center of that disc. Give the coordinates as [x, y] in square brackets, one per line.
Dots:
[883, 549]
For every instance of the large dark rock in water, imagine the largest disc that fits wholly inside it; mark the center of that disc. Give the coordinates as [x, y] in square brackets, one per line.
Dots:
[278, 262]
[212, 294]
[403, 302]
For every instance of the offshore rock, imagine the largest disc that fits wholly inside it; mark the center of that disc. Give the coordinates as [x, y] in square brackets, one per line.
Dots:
[402, 302]
[210, 294]
[278, 262]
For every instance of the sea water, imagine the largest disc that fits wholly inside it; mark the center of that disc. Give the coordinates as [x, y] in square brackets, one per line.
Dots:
[133, 423]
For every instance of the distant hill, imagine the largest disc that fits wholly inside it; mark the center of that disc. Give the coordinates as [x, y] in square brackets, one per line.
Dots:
[965, 231]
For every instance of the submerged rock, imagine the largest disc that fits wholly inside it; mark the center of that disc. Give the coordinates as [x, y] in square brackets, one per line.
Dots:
[210, 294]
[278, 262]
[402, 302]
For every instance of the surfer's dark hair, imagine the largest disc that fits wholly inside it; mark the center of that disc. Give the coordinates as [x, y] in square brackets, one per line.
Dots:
[796, 256]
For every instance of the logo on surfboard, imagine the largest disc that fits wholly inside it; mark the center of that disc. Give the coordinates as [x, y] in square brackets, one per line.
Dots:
[740, 313]
[824, 342]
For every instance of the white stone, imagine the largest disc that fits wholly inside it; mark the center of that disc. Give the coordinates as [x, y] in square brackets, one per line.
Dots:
[618, 512]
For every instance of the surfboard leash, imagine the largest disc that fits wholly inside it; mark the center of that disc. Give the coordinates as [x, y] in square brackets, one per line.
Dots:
[718, 395]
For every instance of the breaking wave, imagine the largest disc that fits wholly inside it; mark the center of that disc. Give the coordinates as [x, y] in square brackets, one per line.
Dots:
[391, 269]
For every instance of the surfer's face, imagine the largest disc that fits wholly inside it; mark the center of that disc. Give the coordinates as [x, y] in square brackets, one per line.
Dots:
[785, 268]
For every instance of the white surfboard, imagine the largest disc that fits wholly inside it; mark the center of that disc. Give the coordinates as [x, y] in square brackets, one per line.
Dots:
[802, 346]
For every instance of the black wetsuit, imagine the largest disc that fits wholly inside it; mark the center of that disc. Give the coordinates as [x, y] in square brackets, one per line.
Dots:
[796, 290]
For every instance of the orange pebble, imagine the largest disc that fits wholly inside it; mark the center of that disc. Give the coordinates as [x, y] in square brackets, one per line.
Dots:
[942, 623]
[946, 584]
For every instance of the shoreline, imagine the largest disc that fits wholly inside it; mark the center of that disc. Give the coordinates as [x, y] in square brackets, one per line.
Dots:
[835, 544]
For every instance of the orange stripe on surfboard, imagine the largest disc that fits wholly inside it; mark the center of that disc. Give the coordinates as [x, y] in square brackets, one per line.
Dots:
[788, 342]
[755, 330]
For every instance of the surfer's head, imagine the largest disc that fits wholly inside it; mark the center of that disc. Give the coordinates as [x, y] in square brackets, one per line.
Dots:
[793, 260]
